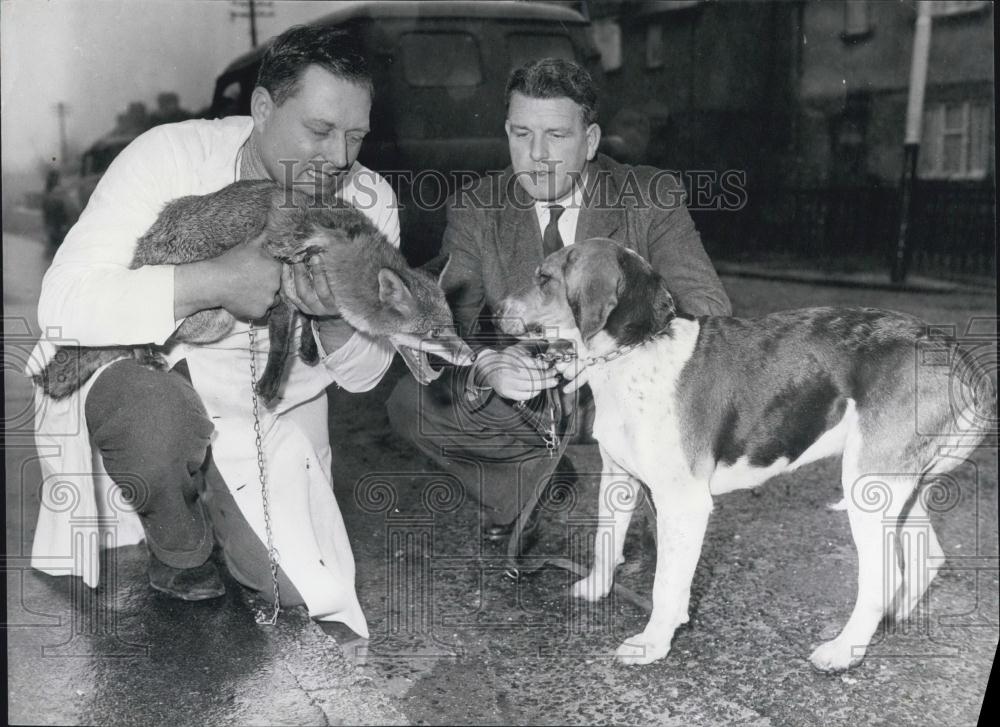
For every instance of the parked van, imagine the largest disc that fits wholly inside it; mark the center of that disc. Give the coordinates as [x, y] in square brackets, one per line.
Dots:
[439, 69]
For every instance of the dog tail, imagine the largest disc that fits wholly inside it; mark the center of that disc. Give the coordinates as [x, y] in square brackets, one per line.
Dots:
[974, 401]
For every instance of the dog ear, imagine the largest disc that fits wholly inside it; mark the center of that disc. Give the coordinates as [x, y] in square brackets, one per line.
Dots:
[393, 291]
[645, 306]
[664, 308]
[592, 295]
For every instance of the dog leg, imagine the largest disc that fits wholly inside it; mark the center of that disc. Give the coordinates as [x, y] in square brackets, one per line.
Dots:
[619, 493]
[682, 512]
[922, 558]
[874, 504]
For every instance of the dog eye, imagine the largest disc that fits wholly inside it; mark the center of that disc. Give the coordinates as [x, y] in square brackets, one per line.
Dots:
[543, 278]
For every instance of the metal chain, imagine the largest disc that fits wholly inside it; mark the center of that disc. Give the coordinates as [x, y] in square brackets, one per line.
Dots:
[591, 360]
[272, 553]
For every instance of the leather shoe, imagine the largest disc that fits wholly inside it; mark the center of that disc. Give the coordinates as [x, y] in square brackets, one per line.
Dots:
[188, 584]
[501, 532]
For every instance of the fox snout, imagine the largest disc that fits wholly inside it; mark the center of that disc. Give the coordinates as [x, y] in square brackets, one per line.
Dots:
[443, 343]
[452, 348]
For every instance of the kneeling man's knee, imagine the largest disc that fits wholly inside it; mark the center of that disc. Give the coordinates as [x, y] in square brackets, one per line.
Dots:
[145, 420]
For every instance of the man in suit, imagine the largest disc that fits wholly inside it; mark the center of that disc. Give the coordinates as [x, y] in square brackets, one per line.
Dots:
[492, 425]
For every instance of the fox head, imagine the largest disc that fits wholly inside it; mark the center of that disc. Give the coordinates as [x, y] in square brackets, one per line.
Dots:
[417, 320]
[376, 291]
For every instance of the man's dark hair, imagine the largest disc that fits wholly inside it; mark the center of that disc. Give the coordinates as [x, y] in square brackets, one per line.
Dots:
[336, 50]
[555, 78]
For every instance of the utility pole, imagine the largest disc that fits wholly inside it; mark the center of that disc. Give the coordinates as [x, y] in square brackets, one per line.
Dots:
[252, 9]
[911, 142]
[61, 111]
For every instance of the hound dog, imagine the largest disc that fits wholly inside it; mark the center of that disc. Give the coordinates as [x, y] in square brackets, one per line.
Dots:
[696, 407]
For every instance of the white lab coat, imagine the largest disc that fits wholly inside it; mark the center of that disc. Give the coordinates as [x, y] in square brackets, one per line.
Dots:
[90, 297]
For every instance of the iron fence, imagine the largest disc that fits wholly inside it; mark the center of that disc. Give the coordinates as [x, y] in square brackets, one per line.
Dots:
[952, 234]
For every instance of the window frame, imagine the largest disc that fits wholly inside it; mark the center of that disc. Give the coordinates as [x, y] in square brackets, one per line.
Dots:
[931, 164]
[614, 28]
[857, 26]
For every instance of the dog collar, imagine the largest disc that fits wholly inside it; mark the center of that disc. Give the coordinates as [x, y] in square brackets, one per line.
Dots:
[588, 361]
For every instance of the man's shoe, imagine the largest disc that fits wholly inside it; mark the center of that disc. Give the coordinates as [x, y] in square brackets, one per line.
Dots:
[188, 584]
[501, 532]
[555, 488]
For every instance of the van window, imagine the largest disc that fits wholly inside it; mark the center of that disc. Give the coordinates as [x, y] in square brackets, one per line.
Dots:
[525, 47]
[440, 59]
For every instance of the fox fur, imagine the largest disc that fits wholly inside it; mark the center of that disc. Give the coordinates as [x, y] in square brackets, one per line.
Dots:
[374, 288]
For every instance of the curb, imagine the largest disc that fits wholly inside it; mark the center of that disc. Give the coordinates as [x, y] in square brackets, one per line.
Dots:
[870, 281]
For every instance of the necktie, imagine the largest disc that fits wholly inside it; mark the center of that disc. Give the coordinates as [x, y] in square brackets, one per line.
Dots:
[551, 239]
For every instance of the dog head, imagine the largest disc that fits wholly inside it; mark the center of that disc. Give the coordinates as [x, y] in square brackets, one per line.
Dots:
[589, 288]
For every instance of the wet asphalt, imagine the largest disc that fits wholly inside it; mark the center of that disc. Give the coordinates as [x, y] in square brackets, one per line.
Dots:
[456, 640]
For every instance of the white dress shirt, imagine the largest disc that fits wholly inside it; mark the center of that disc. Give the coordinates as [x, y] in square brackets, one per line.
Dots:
[572, 204]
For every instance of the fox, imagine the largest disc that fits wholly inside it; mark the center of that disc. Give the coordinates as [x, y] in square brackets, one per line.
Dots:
[375, 289]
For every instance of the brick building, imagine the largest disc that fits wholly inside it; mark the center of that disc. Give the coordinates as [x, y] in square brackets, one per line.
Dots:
[809, 100]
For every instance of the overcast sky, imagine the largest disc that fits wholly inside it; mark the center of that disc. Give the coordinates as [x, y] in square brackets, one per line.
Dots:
[97, 55]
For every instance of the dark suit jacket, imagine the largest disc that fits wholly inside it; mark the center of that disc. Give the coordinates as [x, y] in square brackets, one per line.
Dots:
[495, 243]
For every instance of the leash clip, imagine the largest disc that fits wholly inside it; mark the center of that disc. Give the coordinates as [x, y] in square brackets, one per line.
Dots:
[552, 438]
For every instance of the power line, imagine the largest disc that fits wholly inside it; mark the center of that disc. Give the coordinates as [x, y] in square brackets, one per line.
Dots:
[252, 9]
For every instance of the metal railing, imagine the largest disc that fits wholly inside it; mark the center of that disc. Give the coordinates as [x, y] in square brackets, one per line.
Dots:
[953, 228]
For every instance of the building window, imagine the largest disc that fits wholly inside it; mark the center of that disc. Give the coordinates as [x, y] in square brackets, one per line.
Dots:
[955, 143]
[654, 46]
[607, 35]
[857, 20]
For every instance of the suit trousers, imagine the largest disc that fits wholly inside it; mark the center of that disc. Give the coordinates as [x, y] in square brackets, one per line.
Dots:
[154, 435]
[498, 456]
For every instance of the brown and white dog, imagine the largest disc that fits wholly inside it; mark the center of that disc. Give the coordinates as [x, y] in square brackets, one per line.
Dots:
[697, 407]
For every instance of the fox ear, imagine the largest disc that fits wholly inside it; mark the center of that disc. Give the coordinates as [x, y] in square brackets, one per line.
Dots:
[437, 267]
[444, 270]
[392, 290]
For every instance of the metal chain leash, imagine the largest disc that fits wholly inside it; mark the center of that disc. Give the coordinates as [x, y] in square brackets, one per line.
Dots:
[558, 357]
[272, 553]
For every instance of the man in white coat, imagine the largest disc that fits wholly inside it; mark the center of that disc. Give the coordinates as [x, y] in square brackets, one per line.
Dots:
[178, 448]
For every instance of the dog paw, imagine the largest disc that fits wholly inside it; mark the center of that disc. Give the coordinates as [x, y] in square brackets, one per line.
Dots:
[591, 588]
[642, 649]
[834, 656]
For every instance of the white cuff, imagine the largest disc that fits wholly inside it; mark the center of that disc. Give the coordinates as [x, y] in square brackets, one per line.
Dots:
[359, 364]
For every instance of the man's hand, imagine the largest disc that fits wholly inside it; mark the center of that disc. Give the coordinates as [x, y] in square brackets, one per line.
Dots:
[306, 286]
[243, 280]
[573, 374]
[514, 373]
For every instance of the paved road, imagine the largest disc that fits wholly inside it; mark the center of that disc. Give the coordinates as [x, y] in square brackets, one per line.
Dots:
[456, 641]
